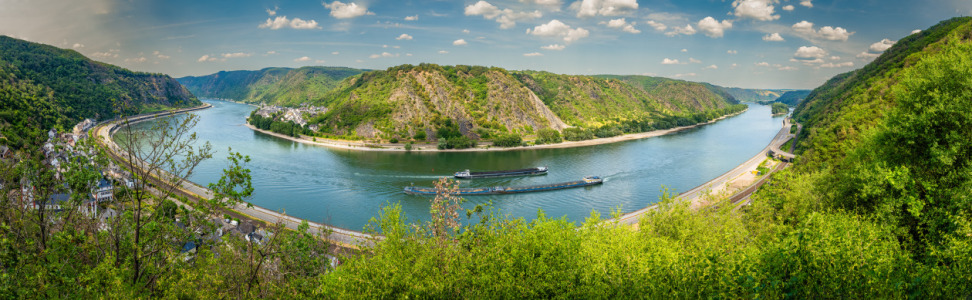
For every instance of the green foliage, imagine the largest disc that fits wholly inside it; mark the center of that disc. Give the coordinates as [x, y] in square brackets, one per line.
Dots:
[456, 142]
[548, 136]
[779, 108]
[273, 86]
[792, 98]
[577, 134]
[235, 186]
[508, 140]
[419, 135]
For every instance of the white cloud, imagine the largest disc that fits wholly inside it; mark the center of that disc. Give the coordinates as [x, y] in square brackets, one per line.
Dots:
[788, 7]
[404, 37]
[532, 54]
[915, 31]
[556, 47]
[466, 31]
[685, 75]
[835, 57]
[459, 42]
[443, 52]
[806, 3]
[760, 10]
[775, 37]
[687, 30]
[208, 58]
[319, 61]
[411, 18]
[591, 8]
[271, 52]
[136, 60]
[162, 56]
[806, 30]
[383, 54]
[732, 52]
[734, 65]
[302, 59]
[809, 53]
[712, 28]
[694, 61]
[77, 46]
[711, 67]
[786, 68]
[111, 53]
[555, 28]
[335, 53]
[506, 17]
[622, 24]
[350, 10]
[668, 61]
[272, 12]
[551, 3]
[879, 47]
[838, 65]
[656, 25]
[684, 50]
[762, 64]
[283, 22]
[236, 55]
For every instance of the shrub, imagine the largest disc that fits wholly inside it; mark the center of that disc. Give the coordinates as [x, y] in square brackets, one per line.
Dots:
[508, 140]
[577, 134]
[548, 136]
[420, 135]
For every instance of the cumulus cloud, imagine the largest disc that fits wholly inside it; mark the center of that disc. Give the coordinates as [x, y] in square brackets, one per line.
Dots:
[335, 53]
[404, 37]
[591, 8]
[711, 67]
[685, 75]
[111, 53]
[507, 18]
[622, 24]
[694, 61]
[806, 3]
[684, 50]
[915, 31]
[656, 25]
[879, 47]
[459, 42]
[556, 28]
[552, 3]
[838, 65]
[302, 59]
[272, 12]
[77, 46]
[668, 61]
[809, 53]
[236, 55]
[555, 47]
[383, 54]
[206, 58]
[411, 18]
[271, 52]
[786, 68]
[283, 22]
[762, 64]
[788, 7]
[806, 30]
[532, 54]
[136, 60]
[732, 51]
[712, 28]
[340, 10]
[775, 37]
[159, 55]
[687, 30]
[760, 10]
[443, 52]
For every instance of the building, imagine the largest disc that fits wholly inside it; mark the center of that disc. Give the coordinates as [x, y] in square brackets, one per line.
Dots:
[104, 191]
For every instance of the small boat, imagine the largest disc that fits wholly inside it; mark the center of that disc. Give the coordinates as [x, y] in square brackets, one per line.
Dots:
[487, 174]
[500, 190]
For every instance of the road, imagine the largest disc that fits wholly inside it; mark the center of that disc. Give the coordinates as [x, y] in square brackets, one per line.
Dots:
[696, 194]
[344, 237]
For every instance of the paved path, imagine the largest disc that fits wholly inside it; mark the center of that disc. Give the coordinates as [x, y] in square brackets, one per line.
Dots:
[341, 236]
[696, 194]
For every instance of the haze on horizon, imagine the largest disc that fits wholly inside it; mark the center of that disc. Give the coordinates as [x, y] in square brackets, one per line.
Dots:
[740, 43]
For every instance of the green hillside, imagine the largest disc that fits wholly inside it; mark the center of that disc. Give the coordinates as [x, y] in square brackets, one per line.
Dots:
[43, 86]
[274, 86]
[403, 101]
[753, 95]
[792, 98]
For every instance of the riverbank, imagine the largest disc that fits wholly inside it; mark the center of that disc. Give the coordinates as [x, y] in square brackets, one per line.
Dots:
[428, 147]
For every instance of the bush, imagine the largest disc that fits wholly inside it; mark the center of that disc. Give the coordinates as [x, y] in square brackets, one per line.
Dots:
[459, 142]
[419, 136]
[393, 140]
[508, 140]
[408, 146]
[607, 131]
[548, 136]
[577, 134]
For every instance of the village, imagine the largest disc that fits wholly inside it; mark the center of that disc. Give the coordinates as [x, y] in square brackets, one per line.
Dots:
[299, 115]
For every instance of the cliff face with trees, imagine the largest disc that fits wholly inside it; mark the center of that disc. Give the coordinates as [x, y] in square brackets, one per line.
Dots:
[275, 86]
[43, 86]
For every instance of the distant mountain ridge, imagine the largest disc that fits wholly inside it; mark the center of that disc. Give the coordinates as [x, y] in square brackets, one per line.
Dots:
[405, 100]
[43, 86]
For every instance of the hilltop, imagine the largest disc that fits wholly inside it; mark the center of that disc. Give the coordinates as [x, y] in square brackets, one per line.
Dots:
[46, 87]
[274, 86]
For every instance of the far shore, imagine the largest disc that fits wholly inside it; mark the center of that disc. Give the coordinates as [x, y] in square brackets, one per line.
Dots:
[431, 147]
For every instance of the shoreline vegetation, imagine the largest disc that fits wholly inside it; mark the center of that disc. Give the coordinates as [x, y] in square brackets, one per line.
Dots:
[432, 147]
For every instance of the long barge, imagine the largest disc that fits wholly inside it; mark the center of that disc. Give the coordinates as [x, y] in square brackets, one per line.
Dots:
[501, 190]
[487, 174]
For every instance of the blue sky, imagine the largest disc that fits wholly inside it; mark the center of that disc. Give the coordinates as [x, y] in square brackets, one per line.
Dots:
[740, 43]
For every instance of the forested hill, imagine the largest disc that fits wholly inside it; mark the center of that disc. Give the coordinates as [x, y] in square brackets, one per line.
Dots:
[278, 86]
[792, 98]
[405, 101]
[43, 86]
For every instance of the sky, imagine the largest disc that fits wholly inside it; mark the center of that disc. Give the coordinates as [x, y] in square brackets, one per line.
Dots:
[785, 44]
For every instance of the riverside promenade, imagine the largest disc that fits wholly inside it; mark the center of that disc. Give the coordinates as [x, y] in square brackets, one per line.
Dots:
[340, 236]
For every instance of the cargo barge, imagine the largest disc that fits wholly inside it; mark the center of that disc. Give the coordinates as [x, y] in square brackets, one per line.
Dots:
[501, 190]
[488, 174]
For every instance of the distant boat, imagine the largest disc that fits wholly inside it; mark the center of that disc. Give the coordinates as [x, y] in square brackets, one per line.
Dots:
[487, 174]
[499, 190]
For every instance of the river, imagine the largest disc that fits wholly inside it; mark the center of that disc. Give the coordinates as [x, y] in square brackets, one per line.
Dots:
[347, 188]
